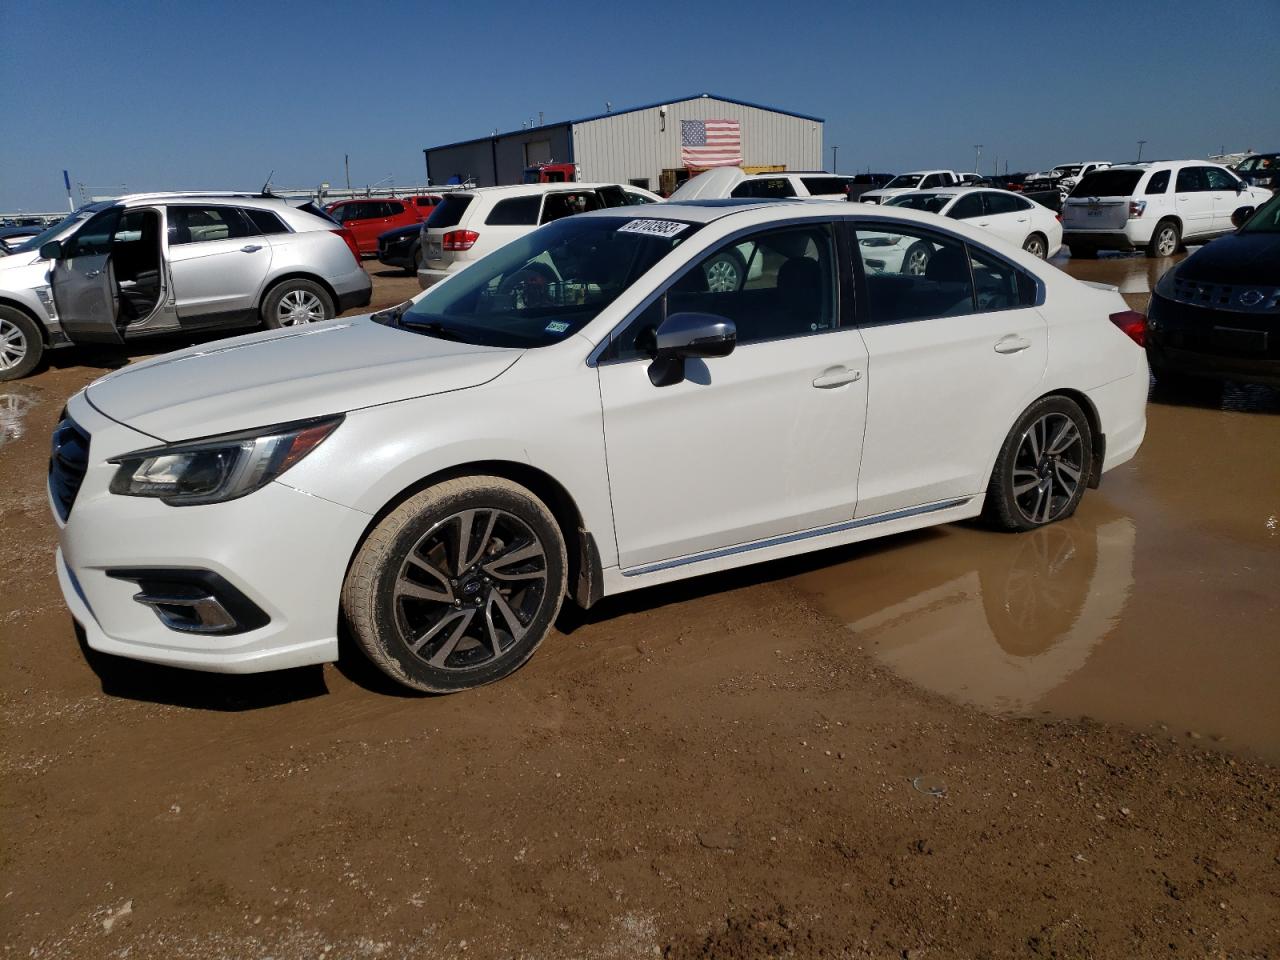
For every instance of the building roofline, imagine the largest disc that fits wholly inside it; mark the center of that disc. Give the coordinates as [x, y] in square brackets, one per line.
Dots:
[616, 113]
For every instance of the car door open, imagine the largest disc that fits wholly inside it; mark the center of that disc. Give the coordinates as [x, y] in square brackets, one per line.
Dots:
[760, 443]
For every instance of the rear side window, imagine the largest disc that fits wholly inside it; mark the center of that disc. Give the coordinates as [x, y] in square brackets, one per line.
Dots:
[451, 210]
[1108, 183]
[765, 187]
[1004, 203]
[1159, 182]
[515, 212]
[966, 206]
[559, 205]
[264, 221]
[914, 275]
[825, 185]
[393, 208]
[206, 224]
[1191, 180]
[427, 201]
[998, 286]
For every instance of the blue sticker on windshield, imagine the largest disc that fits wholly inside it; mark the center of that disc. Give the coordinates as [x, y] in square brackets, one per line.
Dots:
[557, 326]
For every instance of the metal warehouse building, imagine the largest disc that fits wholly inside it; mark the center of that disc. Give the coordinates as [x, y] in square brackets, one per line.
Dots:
[641, 145]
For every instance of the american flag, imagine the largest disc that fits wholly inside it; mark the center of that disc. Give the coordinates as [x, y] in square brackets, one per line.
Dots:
[710, 143]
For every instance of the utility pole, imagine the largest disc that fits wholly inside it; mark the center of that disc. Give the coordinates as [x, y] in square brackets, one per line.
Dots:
[346, 165]
[835, 152]
[1141, 144]
[977, 155]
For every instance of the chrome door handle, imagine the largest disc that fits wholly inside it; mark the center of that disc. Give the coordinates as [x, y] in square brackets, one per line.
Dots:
[93, 273]
[251, 248]
[1012, 343]
[836, 377]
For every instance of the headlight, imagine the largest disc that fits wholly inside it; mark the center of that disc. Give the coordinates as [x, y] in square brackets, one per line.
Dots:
[218, 468]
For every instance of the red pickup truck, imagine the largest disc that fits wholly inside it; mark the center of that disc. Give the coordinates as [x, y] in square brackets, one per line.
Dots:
[367, 218]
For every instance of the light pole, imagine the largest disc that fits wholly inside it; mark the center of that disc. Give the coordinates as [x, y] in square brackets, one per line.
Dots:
[835, 152]
[1141, 144]
[977, 156]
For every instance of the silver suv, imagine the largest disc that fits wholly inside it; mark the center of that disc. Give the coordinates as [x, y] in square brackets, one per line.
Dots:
[166, 263]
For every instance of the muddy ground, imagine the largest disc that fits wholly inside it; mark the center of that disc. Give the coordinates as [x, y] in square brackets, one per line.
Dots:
[748, 765]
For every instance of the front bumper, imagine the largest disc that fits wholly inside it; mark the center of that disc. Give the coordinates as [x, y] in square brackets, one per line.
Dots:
[284, 550]
[1221, 344]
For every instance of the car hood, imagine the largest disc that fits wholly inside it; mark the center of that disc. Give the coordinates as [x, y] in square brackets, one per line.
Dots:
[1238, 258]
[396, 232]
[16, 261]
[287, 375]
[715, 184]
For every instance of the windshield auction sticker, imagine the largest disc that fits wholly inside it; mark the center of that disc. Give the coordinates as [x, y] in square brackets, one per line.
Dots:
[654, 228]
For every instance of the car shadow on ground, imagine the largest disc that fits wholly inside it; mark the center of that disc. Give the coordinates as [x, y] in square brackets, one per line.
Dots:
[1218, 395]
[196, 690]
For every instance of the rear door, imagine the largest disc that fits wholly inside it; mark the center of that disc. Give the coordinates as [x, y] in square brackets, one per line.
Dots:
[365, 219]
[1007, 216]
[1193, 201]
[955, 354]
[84, 287]
[218, 261]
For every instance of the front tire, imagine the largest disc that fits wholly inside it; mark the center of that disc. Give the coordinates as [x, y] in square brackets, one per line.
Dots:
[21, 345]
[1043, 467]
[915, 262]
[725, 272]
[1165, 239]
[415, 261]
[295, 303]
[457, 586]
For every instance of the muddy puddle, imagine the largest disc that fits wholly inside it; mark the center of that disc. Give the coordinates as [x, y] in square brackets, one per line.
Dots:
[16, 402]
[1157, 605]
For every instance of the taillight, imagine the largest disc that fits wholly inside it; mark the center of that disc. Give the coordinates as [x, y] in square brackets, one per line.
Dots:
[459, 240]
[1132, 324]
[1058, 217]
[349, 239]
[1136, 208]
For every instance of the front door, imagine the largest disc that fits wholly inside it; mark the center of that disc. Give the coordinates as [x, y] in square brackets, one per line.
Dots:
[1193, 201]
[1226, 192]
[218, 260]
[955, 352]
[761, 443]
[83, 281]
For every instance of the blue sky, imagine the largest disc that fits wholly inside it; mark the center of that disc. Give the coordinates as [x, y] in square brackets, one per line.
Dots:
[196, 93]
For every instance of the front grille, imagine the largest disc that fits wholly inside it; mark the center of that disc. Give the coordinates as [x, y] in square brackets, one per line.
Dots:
[67, 464]
[1245, 298]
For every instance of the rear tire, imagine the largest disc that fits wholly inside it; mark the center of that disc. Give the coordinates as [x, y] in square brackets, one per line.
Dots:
[295, 303]
[415, 261]
[915, 262]
[457, 586]
[1037, 246]
[1166, 239]
[1043, 467]
[21, 344]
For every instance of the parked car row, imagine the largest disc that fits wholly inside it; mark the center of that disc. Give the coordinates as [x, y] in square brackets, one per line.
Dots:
[159, 263]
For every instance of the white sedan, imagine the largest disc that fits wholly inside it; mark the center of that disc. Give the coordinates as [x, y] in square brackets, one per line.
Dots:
[1014, 219]
[440, 476]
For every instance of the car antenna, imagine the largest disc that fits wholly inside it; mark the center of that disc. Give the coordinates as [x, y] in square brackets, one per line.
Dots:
[266, 187]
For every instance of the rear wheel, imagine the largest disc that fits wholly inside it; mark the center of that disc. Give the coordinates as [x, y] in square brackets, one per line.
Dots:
[1043, 467]
[1037, 246]
[458, 585]
[725, 272]
[1165, 239]
[418, 260]
[916, 260]
[295, 303]
[21, 345]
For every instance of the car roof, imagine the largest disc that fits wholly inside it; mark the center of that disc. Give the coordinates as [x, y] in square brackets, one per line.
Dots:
[703, 211]
[256, 200]
[536, 188]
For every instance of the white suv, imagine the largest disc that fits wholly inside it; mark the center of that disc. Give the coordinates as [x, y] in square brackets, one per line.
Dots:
[1154, 206]
[471, 224]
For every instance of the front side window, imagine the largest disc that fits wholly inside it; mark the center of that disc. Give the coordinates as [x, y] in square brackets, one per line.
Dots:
[905, 180]
[967, 206]
[928, 202]
[205, 224]
[544, 287]
[558, 205]
[913, 275]
[1159, 183]
[636, 199]
[1191, 180]
[931, 181]
[1219, 179]
[823, 186]
[775, 284]
[94, 237]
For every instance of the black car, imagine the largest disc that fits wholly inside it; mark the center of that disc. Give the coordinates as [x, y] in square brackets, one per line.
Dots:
[1216, 315]
[400, 247]
[1260, 170]
[863, 182]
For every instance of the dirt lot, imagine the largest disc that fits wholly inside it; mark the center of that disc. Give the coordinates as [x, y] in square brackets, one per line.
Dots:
[751, 765]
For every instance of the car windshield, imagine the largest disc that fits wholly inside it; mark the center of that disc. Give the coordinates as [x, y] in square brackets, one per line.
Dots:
[546, 286]
[1266, 219]
[1257, 163]
[905, 180]
[54, 232]
[928, 202]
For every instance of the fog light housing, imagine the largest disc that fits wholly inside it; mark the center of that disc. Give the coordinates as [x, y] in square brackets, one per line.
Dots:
[194, 601]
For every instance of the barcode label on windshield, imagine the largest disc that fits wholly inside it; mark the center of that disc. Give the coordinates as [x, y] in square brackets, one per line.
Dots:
[654, 228]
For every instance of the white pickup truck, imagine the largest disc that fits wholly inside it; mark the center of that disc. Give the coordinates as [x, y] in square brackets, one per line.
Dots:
[1064, 176]
[917, 180]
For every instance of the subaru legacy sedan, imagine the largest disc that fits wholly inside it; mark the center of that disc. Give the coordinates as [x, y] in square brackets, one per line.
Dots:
[579, 414]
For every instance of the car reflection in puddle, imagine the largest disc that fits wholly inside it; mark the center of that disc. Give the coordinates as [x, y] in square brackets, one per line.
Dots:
[15, 404]
[1007, 624]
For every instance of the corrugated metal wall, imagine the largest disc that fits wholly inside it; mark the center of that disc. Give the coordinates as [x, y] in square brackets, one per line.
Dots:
[511, 150]
[627, 146]
[472, 161]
